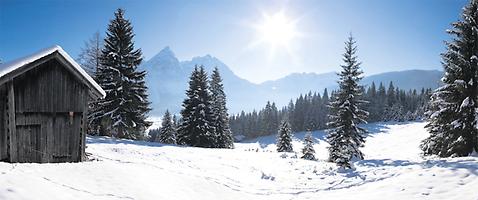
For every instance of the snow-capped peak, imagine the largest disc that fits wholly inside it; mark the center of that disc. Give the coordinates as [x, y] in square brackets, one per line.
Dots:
[165, 59]
[165, 53]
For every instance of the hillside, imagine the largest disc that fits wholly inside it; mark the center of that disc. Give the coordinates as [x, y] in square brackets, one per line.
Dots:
[123, 169]
[168, 77]
[409, 79]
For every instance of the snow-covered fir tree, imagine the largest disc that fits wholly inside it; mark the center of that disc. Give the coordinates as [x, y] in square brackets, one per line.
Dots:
[284, 137]
[124, 111]
[89, 58]
[167, 134]
[453, 108]
[196, 128]
[308, 151]
[345, 136]
[220, 117]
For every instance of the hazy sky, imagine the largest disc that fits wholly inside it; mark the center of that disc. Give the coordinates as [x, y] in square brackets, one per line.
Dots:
[391, 35]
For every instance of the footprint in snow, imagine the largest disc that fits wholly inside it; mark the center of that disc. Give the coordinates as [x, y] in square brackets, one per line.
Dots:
[267, 177]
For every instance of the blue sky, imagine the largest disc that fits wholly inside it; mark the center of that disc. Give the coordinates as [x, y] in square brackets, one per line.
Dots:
[391, 35]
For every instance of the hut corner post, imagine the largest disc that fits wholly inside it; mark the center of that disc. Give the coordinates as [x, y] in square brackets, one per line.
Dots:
[12, 124]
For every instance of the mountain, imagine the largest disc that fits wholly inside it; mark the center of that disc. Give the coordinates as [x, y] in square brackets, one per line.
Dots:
[291, 86]
[168, 78]
[409, 79]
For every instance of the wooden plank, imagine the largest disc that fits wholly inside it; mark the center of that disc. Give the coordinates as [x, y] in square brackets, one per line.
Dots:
[50, 137]
[66, 136]
[3, 128]
[71, 136]
[84, 125]
[20, 138]
[56, 137]
[76, 138]
[43, 138]
[38, 144]
[20, 134]
[61, 133]
[27, 145]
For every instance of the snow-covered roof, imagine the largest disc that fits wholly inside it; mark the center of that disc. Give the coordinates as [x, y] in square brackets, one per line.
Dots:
[10, 67]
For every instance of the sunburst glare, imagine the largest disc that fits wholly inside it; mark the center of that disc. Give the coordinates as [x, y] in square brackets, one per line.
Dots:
[276, 31]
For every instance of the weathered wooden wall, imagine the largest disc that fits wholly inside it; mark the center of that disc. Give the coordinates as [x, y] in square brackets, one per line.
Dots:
[49, 88]
[49, 109]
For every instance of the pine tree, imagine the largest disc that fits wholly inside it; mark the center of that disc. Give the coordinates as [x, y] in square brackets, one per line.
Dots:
[345, 136]
[323, 110]
[391, 94]
[196, 128]
[167, 133]
[284, 138]
[308, 150]
[124, 110]
[220, 117]
[452, 120]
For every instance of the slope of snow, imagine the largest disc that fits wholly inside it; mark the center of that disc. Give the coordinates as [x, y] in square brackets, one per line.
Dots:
[124, 169]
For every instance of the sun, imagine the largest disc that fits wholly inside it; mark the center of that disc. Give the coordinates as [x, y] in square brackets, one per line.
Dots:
[276, 32]
[277, 29]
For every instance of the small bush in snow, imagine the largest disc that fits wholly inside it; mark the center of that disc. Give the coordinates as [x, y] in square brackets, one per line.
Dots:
[308, 150]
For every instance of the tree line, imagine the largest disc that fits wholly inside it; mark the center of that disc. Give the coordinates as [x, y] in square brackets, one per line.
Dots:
[310, 112]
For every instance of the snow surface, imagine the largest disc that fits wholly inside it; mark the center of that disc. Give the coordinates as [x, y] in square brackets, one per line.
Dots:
[124, 169]
[9, 67]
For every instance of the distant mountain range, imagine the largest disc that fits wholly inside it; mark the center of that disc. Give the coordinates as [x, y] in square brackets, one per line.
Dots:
[168, 77]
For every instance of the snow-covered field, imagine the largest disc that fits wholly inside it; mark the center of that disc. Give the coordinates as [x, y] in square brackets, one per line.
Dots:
[124, 169]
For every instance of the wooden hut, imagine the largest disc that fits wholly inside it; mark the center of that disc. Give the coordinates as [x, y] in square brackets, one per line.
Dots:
[43, 108]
